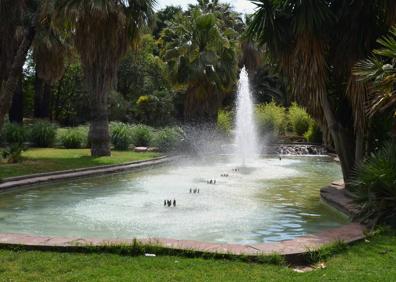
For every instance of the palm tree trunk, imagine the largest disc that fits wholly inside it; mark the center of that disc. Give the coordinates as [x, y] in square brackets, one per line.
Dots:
[342, 138]
[9, 86]
[99, 136]
[16, 111]
[359, 148]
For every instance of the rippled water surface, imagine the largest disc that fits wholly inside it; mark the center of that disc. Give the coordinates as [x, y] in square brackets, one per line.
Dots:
[271, 200]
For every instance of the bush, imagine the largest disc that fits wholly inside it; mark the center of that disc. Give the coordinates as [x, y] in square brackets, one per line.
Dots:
[43, 134]
[168, 139]
[299, 119]
[313, 134]
[374, 187]
[224, 122]
[13, 153]
[141, 135]
[74, 138]
[14, 133]
[271, 118]
[120, 135]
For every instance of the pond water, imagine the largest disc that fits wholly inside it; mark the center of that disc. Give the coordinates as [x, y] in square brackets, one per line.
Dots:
[270, 200]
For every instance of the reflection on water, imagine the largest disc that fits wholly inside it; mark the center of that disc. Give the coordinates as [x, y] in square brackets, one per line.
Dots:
[272, 200]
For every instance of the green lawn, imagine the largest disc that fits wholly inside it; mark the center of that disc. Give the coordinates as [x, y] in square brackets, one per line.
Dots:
[43, 160]
[373, 260]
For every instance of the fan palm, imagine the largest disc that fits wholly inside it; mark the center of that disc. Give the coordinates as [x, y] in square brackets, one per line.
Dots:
[203, 60]
[103, 30]
[380, 70]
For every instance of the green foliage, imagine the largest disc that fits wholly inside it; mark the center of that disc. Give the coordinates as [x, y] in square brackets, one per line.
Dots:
[313, 134]
[299, 119]
[14, 133]
[141, 135]
[324, 252]
[201, 54]
[43, 134]
[225, 121]
[143, 73]
[374, 187]
[120, 135]
[13, 153]
[271, 118]
[71, 104]
[155, 109]
[74, 138]
[380, 70]
[118, 106]
[168, 139]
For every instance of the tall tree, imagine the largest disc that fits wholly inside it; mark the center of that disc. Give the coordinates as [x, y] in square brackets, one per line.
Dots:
[103, 30]
[316, 43]
[17, 30]
[203, 59]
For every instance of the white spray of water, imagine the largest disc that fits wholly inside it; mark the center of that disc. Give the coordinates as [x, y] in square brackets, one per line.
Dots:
[246, 141]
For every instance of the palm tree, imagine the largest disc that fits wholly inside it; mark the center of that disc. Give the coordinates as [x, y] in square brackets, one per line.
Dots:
[202, 60]
[380, 71]
[17, 31]
[103, 31]
[315, 44]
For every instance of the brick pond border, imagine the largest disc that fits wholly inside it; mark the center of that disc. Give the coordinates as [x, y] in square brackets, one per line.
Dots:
[292, 250]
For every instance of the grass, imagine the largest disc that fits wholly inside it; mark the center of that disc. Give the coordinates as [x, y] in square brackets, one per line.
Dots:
[38, 160]
[372, 260]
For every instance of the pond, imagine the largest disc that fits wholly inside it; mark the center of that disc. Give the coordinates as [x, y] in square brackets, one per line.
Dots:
[270, 200]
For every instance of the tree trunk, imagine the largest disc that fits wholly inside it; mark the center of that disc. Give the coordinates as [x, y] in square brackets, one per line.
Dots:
[8, 87]
[359, 148]
[98, 89]
[342, 138]
[16, 111]
[201, 108]
[42, 99]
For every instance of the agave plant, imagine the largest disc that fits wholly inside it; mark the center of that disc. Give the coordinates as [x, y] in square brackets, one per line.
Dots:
[374, 187]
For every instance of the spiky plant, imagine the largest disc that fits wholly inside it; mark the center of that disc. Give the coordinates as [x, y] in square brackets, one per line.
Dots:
[374, 187]
[380, 70]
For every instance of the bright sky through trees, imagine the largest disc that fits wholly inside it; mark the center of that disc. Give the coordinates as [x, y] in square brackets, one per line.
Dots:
[242, 6]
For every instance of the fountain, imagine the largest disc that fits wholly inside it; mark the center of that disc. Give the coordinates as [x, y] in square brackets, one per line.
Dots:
[246, 144]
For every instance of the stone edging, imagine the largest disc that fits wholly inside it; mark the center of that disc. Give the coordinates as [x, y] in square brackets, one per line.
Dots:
[10, 183]
[292, 250]
[337, 197]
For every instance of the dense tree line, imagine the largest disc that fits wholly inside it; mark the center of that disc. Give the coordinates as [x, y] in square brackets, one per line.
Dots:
[75, 62]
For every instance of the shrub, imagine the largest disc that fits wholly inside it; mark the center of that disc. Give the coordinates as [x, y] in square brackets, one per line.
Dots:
[74, 138]
[43, 134]
[14, 133]
[313, 134]
[13, 153]
[224, 122]
[141, 135]
[271, 118]
[299, 119]
[120, 135]
[168, 139]
[374, 187]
